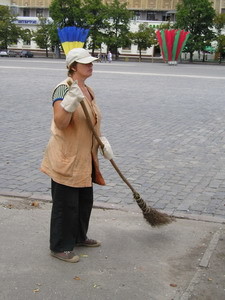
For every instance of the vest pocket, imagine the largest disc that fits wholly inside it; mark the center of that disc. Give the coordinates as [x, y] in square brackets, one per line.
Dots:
[63, 165]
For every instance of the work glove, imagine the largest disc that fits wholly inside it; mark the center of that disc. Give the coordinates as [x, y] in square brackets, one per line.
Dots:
[107, 150]
[73, 98]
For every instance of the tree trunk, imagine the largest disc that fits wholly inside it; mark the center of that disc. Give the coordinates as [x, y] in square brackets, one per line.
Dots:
[116, 53]
[139, 55]
[93, 49]
[220, 57]
[203, 57]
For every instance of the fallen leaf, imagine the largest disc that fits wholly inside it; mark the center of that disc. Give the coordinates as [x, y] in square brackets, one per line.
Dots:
[209, 279]
[76, 278]
[36, 290]
[10, 206]
[35, 204]
[173, 284]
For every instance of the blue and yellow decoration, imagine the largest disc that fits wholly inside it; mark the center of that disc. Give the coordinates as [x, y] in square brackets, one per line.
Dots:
[72, 37]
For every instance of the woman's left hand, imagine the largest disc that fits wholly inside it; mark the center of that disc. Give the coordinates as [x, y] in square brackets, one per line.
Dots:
[107, 150]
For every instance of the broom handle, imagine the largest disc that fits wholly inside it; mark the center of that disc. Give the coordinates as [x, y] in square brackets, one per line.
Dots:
[102, 146]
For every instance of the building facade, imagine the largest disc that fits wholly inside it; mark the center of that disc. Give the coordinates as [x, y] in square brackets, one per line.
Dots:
[156, 10]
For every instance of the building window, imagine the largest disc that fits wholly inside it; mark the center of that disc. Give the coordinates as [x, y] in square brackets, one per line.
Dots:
[136, 15]
[26, 12]
[39, 12]
[166, 18]
[14, 10]
[150, 16]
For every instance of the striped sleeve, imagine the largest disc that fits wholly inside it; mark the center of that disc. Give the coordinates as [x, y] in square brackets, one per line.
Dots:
[59, 93]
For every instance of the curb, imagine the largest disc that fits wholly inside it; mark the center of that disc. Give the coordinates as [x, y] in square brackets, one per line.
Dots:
[204, 263]
[109, 206]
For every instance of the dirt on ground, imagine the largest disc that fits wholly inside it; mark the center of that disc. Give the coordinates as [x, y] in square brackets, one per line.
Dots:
[22, 203]
[211, 280]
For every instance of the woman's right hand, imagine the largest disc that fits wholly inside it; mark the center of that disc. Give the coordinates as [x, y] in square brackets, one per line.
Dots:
[72, 98]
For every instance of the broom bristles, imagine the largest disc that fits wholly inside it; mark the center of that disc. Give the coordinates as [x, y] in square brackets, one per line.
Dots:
[156, 218]
[151, 215]
[72, 37]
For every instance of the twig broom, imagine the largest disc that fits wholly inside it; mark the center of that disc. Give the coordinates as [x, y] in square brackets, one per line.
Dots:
[151, 215]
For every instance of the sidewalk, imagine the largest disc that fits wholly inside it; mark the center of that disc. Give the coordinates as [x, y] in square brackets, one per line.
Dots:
[184, 260]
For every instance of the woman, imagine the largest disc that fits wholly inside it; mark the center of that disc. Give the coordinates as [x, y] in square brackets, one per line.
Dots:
[71, 159]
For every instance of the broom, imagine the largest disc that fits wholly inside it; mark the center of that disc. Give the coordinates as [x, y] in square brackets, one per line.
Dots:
[151, 215]
[172, 43]
[71, 39]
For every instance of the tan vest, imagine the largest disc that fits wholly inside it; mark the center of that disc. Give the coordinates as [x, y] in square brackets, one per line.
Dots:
[71, 154]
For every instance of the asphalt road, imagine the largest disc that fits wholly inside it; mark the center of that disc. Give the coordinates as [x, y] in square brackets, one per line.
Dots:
[165, 123]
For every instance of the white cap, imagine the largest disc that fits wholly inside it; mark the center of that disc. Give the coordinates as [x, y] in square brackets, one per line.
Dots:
[79, 55]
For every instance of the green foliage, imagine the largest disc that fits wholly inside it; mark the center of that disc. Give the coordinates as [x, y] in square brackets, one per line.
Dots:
[67, 13]
[9, 32]
[42, 35]
[53, 35]
[221, 47]
[196, 17]
[165, 26]
[107, 23]
[118, 29]
[145, 37]
[26, 35]
[219, 23]
[96, 21]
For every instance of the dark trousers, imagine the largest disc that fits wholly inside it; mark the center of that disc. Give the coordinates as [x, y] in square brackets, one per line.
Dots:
[71, 211]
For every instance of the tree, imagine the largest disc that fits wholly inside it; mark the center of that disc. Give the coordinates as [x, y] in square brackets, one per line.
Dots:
[54, 38]
[89, 14]
[144, 38]
[42, 35]
[117, 32]
[9, 32]
[96, 20]
[221, 47]
[107, 23]
[67, 13]
[26, 35]
[196, 17]
[219, 23]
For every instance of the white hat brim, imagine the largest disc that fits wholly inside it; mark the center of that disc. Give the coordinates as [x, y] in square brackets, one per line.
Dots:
[87, 60]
